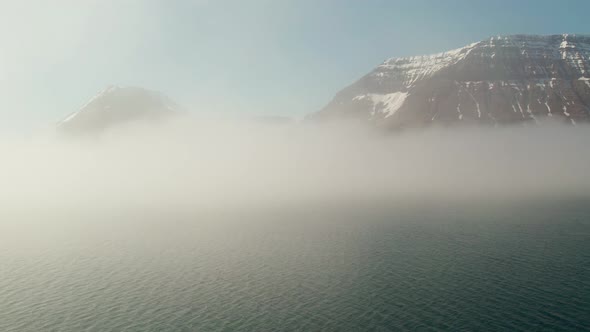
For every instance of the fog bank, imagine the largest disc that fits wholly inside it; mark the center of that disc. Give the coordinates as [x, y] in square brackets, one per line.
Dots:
[193, 165]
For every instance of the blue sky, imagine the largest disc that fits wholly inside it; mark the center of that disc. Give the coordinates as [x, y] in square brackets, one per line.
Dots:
[282, 57]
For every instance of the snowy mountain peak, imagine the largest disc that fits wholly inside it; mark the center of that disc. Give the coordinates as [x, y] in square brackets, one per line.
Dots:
[115, 105]
[502, 79]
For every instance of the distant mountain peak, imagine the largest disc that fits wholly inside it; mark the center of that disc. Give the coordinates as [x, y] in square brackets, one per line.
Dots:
[502, 79]
[115, 105]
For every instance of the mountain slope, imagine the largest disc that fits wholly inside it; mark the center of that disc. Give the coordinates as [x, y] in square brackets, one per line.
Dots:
[118, 105]
[510, 79]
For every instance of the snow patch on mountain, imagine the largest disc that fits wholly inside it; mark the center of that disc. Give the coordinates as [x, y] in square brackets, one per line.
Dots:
[412, 69]
[387, 104]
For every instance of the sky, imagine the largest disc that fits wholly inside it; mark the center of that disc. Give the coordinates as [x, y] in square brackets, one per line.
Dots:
[256, 57]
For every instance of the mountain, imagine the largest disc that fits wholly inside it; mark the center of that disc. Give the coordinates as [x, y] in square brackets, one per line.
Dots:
[117, 105]
[272, 120]
[506, 79]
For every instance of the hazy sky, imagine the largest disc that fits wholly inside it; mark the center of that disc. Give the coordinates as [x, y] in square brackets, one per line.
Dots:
[284, 57]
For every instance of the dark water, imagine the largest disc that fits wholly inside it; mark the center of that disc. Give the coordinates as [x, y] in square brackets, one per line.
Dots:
[421, 266]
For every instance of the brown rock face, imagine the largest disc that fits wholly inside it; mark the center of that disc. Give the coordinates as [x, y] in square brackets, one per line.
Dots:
[512, 79]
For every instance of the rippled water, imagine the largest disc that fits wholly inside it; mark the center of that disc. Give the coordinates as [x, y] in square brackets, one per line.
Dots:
[420, 266]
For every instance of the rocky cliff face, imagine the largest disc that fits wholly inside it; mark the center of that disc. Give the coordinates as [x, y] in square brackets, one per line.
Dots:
[511, 79]
[117, 105]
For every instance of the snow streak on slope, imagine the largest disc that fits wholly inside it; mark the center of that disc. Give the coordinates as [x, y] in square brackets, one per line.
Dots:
[412, 69]
[387, 104]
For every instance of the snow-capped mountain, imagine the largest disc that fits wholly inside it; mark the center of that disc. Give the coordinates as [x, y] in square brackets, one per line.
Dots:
[116, 105]
[507, 79]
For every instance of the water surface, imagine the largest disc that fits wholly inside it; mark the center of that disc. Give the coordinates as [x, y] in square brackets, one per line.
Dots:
[454, 266]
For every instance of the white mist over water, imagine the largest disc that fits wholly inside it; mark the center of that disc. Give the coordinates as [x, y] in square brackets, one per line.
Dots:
[188, 165]
[222, 225]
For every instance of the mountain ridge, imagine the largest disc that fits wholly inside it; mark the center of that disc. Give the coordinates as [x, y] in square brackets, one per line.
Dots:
[116, 105]
[502, 79]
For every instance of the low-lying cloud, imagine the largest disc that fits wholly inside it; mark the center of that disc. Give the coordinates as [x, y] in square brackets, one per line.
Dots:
[191, 165]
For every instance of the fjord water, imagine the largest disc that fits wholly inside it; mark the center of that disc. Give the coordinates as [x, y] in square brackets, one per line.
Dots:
[345, 266]
[241, 228]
